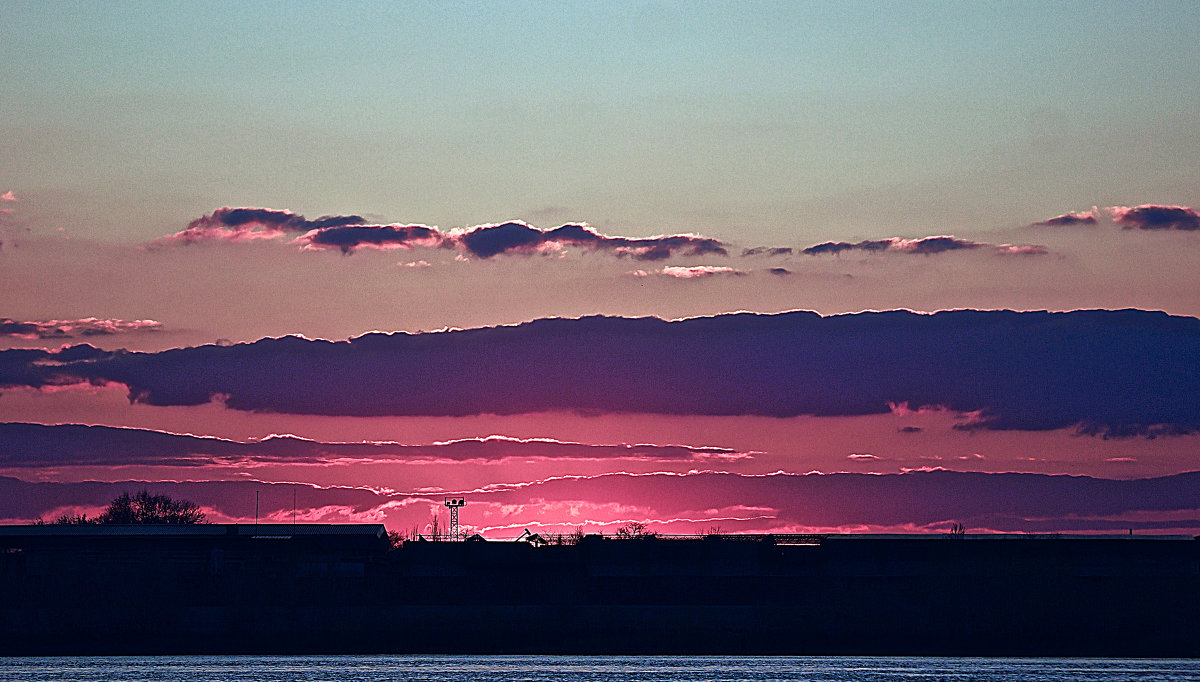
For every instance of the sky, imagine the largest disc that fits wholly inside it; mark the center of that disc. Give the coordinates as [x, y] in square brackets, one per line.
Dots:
[747, 267]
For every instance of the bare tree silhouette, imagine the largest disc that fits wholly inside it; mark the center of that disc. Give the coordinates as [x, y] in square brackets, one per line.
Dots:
[633, 529]
[141, 508]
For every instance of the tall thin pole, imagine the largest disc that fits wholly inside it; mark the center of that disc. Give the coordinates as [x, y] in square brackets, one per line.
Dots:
[293, 505]
[256, 512]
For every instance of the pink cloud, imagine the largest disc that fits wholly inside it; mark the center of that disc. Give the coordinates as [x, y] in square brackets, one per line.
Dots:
[1071, 218]
[37, 446]
[348, 238]
[1156, 217]
[9, 196]
[249, 224]
[904, 409]
[1021, 250]
[697, 271]
[211, 233]
[922, 500]
[62, 329]
[926, 245]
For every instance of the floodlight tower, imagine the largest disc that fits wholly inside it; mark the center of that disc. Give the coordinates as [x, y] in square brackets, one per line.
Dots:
[454, 504]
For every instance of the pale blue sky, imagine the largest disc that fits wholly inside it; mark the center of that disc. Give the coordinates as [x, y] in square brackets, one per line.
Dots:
[755, 124]
[761, 122]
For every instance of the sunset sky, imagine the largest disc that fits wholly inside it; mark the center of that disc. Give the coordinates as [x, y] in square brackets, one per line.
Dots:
[793, 267]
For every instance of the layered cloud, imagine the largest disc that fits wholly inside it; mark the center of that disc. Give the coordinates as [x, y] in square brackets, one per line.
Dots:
[40, 446]
[1107, 372]
[66, 329]
[922, 246]
[691, 502]
[1156, 217]
[348, 233]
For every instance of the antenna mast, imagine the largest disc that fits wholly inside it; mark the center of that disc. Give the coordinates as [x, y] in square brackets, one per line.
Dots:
[454, 504]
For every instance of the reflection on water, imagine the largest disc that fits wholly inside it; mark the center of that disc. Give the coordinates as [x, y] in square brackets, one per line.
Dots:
[588, 669]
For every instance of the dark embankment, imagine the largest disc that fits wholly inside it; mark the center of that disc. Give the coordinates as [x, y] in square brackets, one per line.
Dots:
[300, 589]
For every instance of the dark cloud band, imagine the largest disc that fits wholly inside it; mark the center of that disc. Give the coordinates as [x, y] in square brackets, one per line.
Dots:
[38, 446]
[1115, 372]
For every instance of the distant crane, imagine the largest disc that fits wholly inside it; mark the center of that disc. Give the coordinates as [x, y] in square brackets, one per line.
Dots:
[454, 504]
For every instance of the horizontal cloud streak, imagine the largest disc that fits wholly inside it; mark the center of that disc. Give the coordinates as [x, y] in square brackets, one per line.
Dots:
[1114, 372]
[768, 251]
[1021, 250]
[66, 329]
[38, 446]
[923, 246]
[348, 233]
[486, 241]
[1011, 502]
[247, 224]
[347, 238]
[691, 502]
[693, 272]
[1156, 217]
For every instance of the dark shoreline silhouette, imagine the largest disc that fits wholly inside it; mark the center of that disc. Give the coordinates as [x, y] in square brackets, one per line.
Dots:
[327, 589]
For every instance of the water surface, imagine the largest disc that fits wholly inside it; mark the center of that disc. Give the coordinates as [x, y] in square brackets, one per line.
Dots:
[589, 669]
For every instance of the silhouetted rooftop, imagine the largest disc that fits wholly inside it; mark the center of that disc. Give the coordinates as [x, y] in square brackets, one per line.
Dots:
[198, 530]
